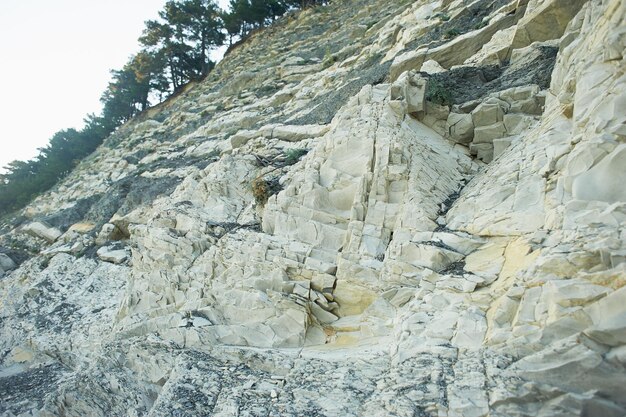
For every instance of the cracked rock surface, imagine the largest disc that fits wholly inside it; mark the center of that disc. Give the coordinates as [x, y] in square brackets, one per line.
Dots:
[372, 208]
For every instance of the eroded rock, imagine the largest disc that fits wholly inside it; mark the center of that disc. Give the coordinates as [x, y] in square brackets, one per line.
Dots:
[387, 272]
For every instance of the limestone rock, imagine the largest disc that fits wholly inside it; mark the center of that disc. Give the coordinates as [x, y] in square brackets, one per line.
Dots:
[489, 113]
[608, 318]
[486, 134]
[242, 137]
[82, 227]
[432, 67]
[460, 127]
[298, 234]
[42, 231]
[298, 133]
[483, 151]
[113, 255]
[411, 60]
[409, 88]
[603, 182]
[500, 145]
[545, 20]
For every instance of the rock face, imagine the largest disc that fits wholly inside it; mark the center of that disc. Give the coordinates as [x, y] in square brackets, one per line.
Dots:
[407, 208]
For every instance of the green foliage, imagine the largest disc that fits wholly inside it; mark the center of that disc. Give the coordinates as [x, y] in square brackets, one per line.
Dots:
[293, 155]
[329, 59]
[443, 16]
[480, 25]
[438, 93]
[451, 33]
[179, 43]
[24, 180]
[263, 189]
[129, 90]
[18, 244]
[246, 15]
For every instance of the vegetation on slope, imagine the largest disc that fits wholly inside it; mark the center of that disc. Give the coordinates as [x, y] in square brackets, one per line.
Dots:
[175, 49]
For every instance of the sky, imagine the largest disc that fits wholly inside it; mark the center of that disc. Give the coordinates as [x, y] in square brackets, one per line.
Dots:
[57, 56]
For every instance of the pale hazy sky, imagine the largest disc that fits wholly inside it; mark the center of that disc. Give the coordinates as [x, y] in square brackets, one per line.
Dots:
[56, 56]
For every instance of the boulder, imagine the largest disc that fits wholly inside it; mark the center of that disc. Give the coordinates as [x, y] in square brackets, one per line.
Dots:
[432, 67]
[82, 228]
[486, 134]
[322, 315]
[6, 263]
[112, 254]
[428, 256]
[609, 318]
[516, 123]
[483, 151]
[242, 137]
[43, 231]
[435, 116]
[323, 282]
[460, 127]
[411, 60]
[410, 89]
[487, 261]
[489, 112]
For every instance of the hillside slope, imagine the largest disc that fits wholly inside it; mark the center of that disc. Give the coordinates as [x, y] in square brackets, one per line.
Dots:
[372, 208]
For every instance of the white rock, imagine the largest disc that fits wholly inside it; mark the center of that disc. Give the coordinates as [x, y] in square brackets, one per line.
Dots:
[292, 133]
[605, 181]
[322, 315]
[109, 254]
[43, 231]
[489, 112]
[500, 145]
[432, 67]
[609, 318]
[410, 89]
[460, 127]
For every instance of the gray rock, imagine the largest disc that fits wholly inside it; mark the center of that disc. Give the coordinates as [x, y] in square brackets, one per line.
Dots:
[6, 263]
[113, 255]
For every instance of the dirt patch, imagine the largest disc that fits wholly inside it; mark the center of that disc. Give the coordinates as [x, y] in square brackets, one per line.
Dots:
[28, 390]
[325, 107]
[469, 19]
[464, 84]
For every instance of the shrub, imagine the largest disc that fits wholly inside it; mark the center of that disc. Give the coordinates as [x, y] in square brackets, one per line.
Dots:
[438, 93]
[329, 59]
[293, 155]
[260, 191]
[451, 33]
[263, 189]
[480, 24]
[443, 16]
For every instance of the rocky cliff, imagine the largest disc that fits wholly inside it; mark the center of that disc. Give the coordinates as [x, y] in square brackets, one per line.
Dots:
[372, 208]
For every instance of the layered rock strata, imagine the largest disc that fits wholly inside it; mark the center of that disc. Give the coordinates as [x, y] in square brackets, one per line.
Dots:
[404, 208]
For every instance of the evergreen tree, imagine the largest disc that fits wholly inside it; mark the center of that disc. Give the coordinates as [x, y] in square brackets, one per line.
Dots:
[128, 91]
[158, 40]
[202, 27]
[233, 25]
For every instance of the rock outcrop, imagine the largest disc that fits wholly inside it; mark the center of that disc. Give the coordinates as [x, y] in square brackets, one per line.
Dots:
[371, 208]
